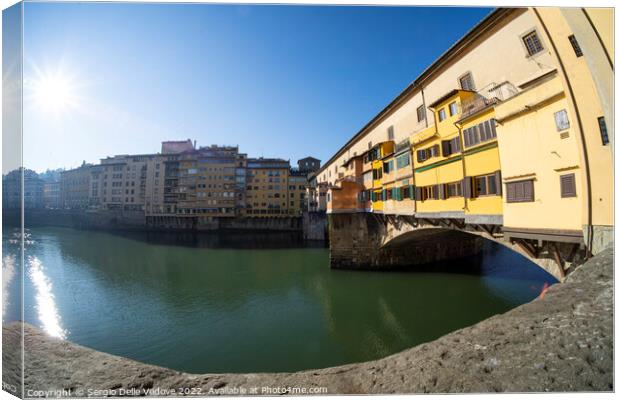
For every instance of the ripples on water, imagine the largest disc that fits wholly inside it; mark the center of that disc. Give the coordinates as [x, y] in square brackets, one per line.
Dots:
[219, 308]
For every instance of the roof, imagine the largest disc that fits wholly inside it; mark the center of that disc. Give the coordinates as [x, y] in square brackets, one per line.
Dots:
[471, 35]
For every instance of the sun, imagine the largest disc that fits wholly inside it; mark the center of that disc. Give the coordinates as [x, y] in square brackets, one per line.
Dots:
[53, 93]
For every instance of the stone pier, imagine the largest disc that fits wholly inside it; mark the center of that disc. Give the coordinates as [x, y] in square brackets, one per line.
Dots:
[369, 241]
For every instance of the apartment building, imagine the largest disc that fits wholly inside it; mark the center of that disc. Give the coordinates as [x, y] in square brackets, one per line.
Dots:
[75, 187]
[51, 195]
[511, 128]
[267, 187]
[207, 181]
[12, 190]
[297, 183]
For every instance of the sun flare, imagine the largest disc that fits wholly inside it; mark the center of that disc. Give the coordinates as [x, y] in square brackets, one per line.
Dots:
[53, 93]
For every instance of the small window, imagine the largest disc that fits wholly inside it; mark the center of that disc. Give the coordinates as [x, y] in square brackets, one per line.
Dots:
[561, 120]
[573, 42]
[453, 109]
[390, 133]
[442, 114]
[532, 43]
[567, 185]
[467, 82]
[603, 128]
[421, 113]
[520, 191]
[481, 186]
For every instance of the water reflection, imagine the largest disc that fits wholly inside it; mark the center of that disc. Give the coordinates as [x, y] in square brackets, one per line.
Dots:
[8, 273]
[45, 303]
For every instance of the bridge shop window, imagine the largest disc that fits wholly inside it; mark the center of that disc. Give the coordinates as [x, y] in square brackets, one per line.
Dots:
[480, 133]
[450, 146]
[520, 191]
[454, 189]
[442, 114]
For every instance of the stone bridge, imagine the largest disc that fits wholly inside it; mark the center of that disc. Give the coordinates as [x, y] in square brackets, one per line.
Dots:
[378, 241]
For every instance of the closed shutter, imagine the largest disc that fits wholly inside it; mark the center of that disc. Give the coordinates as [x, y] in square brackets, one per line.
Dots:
[418, 193]
[483, 132]
[442, 192]
[467, 192]
[568, 187]
[455, 145]
[445, 148]
[411, 192]
[498, 182]
[492, 127]
[521, 191]
[466, 137]
[528, 190]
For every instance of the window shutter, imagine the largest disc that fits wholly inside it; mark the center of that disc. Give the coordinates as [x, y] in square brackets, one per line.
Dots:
[567, 185]
[498, 182]
[455, 145]
[492, 127]
[483, 132]
[445, 148]
[466, 137]
[467, 192]
[418, 193]
[528, 190]
[442, 192]
[510, 192]
[411, 192]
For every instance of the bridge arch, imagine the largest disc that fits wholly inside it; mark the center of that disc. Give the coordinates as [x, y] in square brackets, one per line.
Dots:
[376, 241]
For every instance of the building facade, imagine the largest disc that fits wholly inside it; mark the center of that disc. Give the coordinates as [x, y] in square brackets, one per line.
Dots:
[510, 129]
[75, 187]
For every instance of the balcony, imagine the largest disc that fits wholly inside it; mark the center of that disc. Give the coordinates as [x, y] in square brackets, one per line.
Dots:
[496, 93]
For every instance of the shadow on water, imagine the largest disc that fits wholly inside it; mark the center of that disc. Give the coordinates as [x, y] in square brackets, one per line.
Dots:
[224, 239]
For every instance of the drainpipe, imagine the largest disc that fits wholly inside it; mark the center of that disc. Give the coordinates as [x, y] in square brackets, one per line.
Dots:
[584, 147]
[462, 161]
[424, 105]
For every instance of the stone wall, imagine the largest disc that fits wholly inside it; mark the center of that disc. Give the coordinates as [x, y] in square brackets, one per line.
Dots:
[136, 220]
[315, 225]
[365, 241]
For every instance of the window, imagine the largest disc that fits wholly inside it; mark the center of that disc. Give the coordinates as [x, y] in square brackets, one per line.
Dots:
[453, 108]
[561, 120]
[390, 133]
[485, 185]
[603, 128]
[466, 82]
[388, 166]
[573, 42]
[482, 132]
[532, 43]
[455, 189]
[403, 160]
[520, 191]
[442, 114]
[434, 151]
[421, 113]
[567, 185]
[422, 155]
[450, 146]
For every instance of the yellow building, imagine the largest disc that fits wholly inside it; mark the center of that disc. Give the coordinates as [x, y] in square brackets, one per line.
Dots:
[511, 131]
[267, 187]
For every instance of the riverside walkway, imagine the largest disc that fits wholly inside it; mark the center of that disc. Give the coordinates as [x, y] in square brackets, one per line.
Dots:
[561, 342]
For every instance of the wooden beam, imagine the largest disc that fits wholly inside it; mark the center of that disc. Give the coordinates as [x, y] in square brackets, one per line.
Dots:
[558, 258]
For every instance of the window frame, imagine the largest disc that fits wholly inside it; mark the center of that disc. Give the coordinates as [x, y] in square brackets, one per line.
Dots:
[522, 37]
[441, 114]
[471, 79]
[522, 199]
[602, 127]
[555, 117]
[564, 192]
[421, 113]
[455, 111]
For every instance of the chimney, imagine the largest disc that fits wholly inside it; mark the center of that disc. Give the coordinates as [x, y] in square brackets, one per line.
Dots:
[194, 144]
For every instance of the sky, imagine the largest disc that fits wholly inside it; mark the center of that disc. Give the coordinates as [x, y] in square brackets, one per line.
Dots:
[279, 81]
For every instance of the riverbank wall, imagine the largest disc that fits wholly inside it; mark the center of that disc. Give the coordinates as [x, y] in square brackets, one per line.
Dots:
[560, 342]
[137, 221]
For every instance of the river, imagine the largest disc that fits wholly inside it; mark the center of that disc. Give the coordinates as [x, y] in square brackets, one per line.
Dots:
[214, 303]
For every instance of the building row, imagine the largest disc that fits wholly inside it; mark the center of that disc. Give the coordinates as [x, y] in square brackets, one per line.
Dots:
[182, 180]
[510, 129]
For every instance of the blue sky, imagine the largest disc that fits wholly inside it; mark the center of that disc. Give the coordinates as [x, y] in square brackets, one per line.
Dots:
[279, 81]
